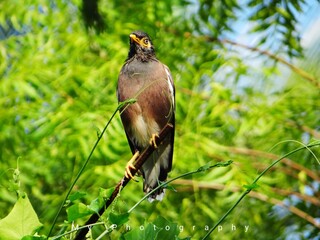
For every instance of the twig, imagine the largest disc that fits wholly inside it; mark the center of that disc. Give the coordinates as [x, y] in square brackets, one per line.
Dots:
[295, 69]
[312, 132]
[292, 209]
[218, 186]
[287, 161]
[123, 182]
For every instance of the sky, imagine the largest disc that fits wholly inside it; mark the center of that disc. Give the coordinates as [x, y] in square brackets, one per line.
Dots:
[309, 28]
[310, 24]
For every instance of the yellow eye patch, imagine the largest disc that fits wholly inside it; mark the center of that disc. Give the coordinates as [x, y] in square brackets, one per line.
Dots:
[144, 42]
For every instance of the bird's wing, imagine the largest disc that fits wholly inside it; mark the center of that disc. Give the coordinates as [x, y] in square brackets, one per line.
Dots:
[172, 119]
[133, 149]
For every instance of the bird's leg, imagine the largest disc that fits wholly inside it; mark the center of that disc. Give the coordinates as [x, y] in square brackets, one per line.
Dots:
[153, 140]
[130, 166]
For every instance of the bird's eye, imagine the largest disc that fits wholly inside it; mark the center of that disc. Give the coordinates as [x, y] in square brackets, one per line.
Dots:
[145, 41]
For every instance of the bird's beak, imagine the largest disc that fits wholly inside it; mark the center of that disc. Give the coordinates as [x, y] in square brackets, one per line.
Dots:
[134, 38]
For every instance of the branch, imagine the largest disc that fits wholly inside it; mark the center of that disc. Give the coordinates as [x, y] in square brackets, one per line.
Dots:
[292, 209]
[313, 132]
[287, 161]
[219, 186]
[295, 69]
[123, 182]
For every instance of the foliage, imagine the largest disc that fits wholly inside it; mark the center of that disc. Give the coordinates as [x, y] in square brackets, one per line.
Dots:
[58, 74]
[21, 221]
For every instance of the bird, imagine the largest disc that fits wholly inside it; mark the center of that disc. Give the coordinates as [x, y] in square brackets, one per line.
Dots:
[144, 78]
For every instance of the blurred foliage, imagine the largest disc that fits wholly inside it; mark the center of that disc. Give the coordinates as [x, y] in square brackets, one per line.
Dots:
[277, 18]
[58, 74]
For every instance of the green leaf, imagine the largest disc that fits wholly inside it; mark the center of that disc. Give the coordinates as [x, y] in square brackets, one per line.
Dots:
[251, 186]
[218, 164]
[99, 202]
[283, 12]
[96, 204]
[118, 219]
[78, 210]
[169, 230]
[106, 193]
[205, 167]
[224, 164]
[170, 187]
[21, 221]
[126, 102]
[77, 195]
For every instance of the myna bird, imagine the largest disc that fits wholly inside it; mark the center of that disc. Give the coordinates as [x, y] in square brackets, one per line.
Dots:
[144, 78]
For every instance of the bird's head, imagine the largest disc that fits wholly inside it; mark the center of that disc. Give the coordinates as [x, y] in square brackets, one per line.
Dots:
[141, 44]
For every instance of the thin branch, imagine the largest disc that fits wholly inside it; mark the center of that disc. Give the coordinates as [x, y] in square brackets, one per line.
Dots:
[292, 209]
[123, 182]
[295, 69]
[218, 186]
[287, 161]
[284, 192]
[312, 132]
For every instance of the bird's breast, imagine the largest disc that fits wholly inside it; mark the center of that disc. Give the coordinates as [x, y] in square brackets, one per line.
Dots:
[147, 83]
[142, 129]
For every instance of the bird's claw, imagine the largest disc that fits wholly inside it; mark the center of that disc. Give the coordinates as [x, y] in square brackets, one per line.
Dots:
[153, 140]
[130, 166]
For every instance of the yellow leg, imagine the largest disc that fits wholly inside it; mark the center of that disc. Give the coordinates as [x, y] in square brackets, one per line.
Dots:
[130, 166]
[153, 140]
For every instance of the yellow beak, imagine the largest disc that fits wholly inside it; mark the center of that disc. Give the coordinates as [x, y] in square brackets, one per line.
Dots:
[134, 38]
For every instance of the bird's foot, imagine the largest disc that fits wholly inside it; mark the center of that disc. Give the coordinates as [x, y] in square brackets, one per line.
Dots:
[130, 166]
[153, 140]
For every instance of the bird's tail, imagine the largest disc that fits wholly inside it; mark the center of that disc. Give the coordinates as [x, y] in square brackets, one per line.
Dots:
[155, 170]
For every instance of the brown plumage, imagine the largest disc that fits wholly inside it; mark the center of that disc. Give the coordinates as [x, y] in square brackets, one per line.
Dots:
[144, 78]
